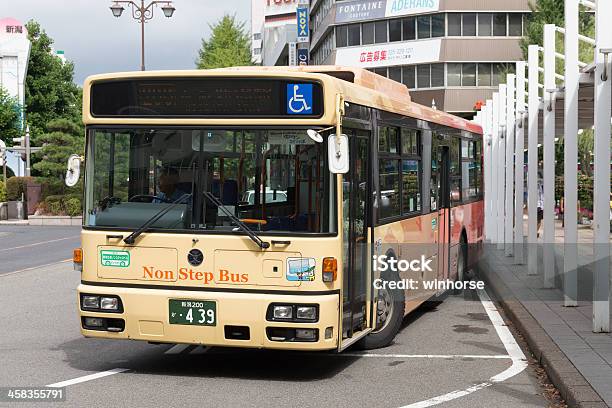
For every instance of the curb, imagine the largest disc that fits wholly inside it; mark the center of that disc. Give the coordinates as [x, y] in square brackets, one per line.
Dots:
[573, 387]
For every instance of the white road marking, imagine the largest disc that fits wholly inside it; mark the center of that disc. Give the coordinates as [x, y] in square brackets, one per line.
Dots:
[177, 349]
[442, 356]
[36, 243]
[88, 377]
[519, 361]
[35, 267]
[200, 350]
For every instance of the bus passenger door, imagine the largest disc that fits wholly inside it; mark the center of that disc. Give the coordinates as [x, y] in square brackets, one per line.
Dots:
[443, 226]
[355, 237]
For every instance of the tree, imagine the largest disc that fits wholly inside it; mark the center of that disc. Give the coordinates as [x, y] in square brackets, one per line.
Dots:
[228, 45]
[9, 117]
[50, 91]
[63, 138]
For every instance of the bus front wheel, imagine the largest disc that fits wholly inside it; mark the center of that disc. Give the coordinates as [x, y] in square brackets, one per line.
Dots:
[390, 304]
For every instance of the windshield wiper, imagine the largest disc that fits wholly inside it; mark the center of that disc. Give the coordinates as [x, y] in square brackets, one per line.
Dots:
[130, 239]
[262, 244]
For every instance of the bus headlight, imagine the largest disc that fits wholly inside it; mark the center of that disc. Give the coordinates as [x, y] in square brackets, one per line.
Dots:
[90, 302]
[109, 303]
[306, 313]
[283, 312]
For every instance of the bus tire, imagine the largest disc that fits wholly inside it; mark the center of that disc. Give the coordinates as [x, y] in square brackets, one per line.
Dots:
[462, 264]
[392, 303]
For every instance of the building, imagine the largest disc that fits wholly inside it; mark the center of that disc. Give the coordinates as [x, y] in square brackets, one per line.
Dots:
[279, 31]
[14, 59]
[257, 20]
[451, 53]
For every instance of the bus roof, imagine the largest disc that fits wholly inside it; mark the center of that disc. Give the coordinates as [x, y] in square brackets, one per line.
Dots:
[358, 85]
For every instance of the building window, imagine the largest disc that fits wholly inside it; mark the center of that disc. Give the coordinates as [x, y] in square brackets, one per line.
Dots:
[341, 36]
[485, 24]
[395, 30]
[256, 51]
[453, 74]
[424, 26]
[354, 35]
[469, 24]
[468, 75]
[484, 74]
[423, 76]
[437, 75]
[395, 73]
[257, 36]
[408, 28]
[437, 25]
[381, 32]
[499, 24]
[515, 27]
[454, 24]
[408, 76]
[367, 33]
[380, 71]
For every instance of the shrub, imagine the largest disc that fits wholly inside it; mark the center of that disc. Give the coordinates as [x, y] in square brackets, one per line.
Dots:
[2, 192]
[16, 186]
[55, 204]
[73, 206]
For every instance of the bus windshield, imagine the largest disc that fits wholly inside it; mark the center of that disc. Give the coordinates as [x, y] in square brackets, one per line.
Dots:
[273, 180]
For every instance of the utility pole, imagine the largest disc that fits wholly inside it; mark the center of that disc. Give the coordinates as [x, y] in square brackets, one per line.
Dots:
[3, 159]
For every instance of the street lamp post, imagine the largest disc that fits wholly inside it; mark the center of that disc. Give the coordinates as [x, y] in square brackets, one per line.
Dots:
[142, 14]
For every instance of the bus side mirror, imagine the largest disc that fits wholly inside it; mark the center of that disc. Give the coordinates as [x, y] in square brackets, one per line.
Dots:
[338, 153]
[73, 173]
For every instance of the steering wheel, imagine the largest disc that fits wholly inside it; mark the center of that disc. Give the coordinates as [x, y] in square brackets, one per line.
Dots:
[146, 198]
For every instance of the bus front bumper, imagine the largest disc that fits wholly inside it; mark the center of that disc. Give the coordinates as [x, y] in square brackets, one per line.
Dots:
[240, 319]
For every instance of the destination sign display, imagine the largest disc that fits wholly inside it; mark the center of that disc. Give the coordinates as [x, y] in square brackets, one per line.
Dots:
[206, 98]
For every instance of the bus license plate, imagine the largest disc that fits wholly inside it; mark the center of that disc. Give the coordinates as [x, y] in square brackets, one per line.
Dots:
[193, 312]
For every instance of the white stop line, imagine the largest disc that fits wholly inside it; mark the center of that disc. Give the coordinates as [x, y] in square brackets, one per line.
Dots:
[519, 361]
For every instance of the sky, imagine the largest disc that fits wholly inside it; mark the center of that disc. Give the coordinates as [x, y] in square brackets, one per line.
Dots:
[97, 42]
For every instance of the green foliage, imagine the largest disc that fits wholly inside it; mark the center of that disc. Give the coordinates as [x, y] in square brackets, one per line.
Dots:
[63, 138]
[16, 187]
[9, 117]
[63, 205]
[585, 191]
[228, 45]
[50, 91]
[552, 12]
[585, 148]
[2, 192]
[73, 207]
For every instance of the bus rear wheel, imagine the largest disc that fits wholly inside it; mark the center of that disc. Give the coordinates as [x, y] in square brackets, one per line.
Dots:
[390, 307]
[462, 266]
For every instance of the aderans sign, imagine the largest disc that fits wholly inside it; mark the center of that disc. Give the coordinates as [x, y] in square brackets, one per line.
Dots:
[357, 10]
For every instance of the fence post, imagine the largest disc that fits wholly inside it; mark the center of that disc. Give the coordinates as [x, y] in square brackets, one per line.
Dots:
[601, 160]
[501, 164]
[533, 111]
[519, 157]
[570, 156]
[549, 155]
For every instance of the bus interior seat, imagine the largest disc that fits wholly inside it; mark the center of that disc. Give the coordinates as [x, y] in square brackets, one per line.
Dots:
[230, 192]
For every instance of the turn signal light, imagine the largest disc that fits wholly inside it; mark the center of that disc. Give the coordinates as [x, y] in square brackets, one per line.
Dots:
[330, 269]
[77, 259]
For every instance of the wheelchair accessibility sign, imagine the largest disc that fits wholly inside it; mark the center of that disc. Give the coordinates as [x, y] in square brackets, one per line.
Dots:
[299, 99]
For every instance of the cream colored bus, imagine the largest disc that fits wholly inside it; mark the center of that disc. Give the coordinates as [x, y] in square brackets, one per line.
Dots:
[242, 207]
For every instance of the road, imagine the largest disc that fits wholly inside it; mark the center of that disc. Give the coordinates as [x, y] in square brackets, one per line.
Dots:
[23, 246]
[446, 353]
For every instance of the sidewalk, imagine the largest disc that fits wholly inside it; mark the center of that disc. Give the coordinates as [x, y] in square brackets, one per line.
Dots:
[578, 361]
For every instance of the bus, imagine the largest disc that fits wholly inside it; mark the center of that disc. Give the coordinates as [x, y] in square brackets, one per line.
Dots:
[246, 207]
